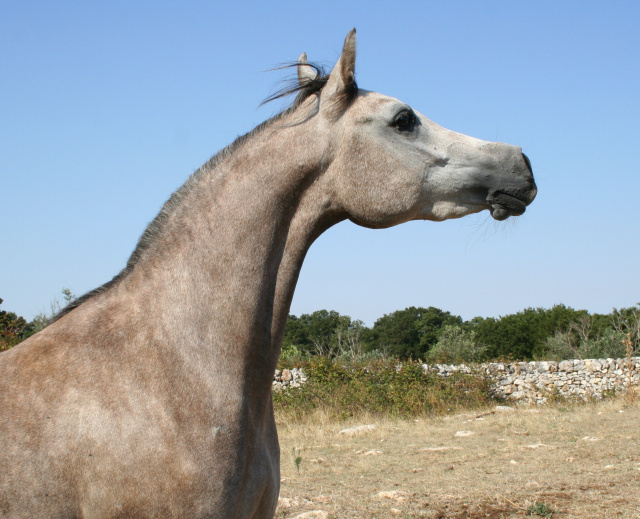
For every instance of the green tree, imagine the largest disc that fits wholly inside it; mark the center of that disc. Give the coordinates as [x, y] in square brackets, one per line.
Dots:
[626, 321]
[13, 329]
[295, 336]
[323, 332]
[597, 336]
[348, 337]
[523, 335]
[410, 332]
[568, 345]
[320, 327]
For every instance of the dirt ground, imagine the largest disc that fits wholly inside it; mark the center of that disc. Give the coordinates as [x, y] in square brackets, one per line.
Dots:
[563, 461]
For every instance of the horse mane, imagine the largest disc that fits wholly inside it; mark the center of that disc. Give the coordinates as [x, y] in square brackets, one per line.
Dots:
[303, 91]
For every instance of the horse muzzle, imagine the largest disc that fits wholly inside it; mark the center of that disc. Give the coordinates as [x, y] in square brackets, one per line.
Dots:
[513, 201]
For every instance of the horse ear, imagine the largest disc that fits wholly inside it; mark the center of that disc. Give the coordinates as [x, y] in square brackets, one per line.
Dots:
[343, 74]
[306, 72]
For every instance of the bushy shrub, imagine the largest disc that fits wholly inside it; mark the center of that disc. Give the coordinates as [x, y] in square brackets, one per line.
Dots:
[290, 352]
[566, 345]
[383, 387]
[456, 345]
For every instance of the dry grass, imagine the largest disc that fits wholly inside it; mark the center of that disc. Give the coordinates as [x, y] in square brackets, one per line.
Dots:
[580, 461]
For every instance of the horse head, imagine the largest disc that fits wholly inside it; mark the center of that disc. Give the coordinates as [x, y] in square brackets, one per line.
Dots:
[390, 164]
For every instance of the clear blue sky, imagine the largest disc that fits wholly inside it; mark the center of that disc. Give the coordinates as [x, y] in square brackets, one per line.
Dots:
[107, 107]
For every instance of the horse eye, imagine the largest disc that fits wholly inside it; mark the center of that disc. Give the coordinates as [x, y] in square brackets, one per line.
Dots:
[404, 121]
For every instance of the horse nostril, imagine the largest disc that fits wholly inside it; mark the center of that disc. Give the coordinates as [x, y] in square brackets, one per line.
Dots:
[527, 162]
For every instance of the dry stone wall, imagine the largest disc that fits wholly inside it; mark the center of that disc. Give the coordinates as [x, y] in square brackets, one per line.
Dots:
[530, 382]
[536, 382]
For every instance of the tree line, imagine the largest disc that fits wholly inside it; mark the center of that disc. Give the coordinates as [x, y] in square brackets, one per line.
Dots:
[435, 335]
[430, 334]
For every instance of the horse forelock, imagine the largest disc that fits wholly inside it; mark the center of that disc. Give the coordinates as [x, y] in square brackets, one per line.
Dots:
[303, 91]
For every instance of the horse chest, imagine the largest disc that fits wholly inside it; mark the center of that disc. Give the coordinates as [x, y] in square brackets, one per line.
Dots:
[196, 475]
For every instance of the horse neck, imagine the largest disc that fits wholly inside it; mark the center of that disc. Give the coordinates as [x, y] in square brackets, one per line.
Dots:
[220, 277]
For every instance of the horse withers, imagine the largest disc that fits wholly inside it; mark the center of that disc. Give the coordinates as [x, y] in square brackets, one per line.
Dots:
[151, 395]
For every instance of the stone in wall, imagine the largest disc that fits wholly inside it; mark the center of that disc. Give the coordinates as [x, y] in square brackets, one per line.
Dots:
[288, 378]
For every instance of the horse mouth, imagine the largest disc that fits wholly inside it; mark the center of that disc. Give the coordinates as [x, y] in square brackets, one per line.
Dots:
[504, 205]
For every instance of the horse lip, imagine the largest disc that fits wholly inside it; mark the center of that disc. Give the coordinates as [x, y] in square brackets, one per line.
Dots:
[504, 204]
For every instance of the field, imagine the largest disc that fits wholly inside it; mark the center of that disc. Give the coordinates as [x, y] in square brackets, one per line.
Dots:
[564, 461]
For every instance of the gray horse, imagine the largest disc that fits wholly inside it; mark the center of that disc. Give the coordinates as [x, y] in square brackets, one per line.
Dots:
[151, 395]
